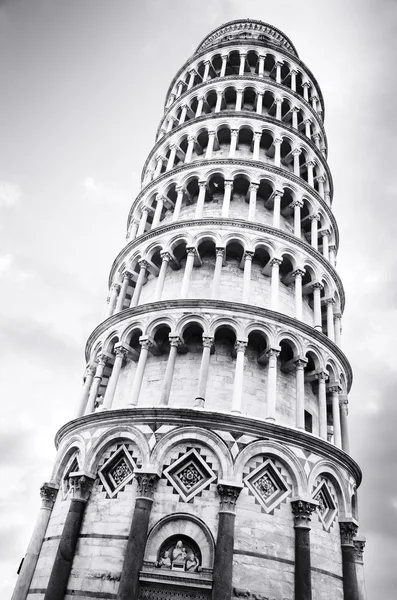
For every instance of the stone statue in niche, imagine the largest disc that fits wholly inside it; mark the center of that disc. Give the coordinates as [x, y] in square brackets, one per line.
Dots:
[179, 556]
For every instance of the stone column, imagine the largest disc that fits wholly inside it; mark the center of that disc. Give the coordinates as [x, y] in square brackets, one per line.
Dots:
[278, 71]
[189, 151]
[170, 126]
[298, 274]
[321, 181]
[200, 200]
[143, 266]
[294, 111]
[124, 286]
[257, 141]
[191, 253]
[222, 575]
[81, 487]
[199, 109]
[48, 493]
[325, 236]
[242, 63]
[279, 102]
[306, 86]
[159, 159]
[253, 190]
[190, 83]
[272, 354]
[300, 392]
[203, 375]
[207, 65]
[178, 204]
[348, 531]
[114, 290]
[259, 103]
[210, 145]
[307, 124]
[120, 353]
[219, 98]
[136, 544]
[314, 102]
[317, 287]
[277, 152]
[322, 404]
[102, 359]
[332, 255]
[297, 205]
[293, 74]
[240, 348]
[239, 99]
[158, 211]
[330, 319]
[133, 229]
[310, 173]
[233, 142]
[275, 263]
[344, 426]
[223, 67]
[220, 252]
[314, 231]
[261, 65]
[359, 545]
[165, 259]
[248, 256]
[297, 169]
[338, 329]
[335, 389]
[302, 510]
[140, 370]
[89, 377]
[171, 158]
[277, 208]
[226, 198]
[169, 371]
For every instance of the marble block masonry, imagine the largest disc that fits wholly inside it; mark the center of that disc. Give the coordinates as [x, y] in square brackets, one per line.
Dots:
[208, 457]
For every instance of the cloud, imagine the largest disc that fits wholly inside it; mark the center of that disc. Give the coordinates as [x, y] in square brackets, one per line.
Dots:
[98, 191]
[10, 194]
[9, 270]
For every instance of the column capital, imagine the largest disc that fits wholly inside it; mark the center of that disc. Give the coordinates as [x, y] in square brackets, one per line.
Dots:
[228, 183]
[220, 251]
[240, 346]
[191, 250]
[296, 151]
[317, 285]
[143, 263]
[207, 62]
[234, 132]
[146, 208]
[229, 493]
[315, 217]
[81, 485]
[257, 135]
[302, 511]
[273, 352]
[298, 273]
[102, 359]
[120, 350]
[211, 133]
[321, 376]
[344, 404]
[202, 183]
[329, 300]
[277, 141]
[305, 84]
[316, 136]
[325, 232]
[253, 187]
[276, 261]
[260, 93]
[146, 484]
[90, 369]
[166, 256]
[278, 100]
[359, 545]
[145, 343]
[127, 274]
[298, 202]
[115, 286]
[219, 92]
[300, 362]
[208, 341]
[180, 188]
[334, 387]
[294, 72]
[175, 340]
[173, 146]
[48, 494]
[279, 62]
[190, 138]
[348, 531]
[311, 163]
[248, 255]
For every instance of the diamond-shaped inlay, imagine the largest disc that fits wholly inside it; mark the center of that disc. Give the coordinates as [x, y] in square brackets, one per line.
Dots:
[117, 471]
[268, 485]
[189, 475]
[326, 508]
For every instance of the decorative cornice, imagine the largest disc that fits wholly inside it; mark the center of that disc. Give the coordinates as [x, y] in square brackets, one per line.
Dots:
[235, 308]
[237, 114]
[184, 417]
[217, 222]
[263, 167]
[254, 44]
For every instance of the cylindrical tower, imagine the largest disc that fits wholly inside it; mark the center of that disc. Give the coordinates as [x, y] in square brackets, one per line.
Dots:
[209, 456]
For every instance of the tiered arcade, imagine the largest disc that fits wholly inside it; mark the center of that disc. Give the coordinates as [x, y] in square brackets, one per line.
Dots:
[209, 456]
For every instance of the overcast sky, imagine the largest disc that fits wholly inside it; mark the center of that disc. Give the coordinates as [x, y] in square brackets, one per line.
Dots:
[82, 90]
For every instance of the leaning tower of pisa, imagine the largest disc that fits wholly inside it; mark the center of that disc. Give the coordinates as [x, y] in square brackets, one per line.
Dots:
[209, 453]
